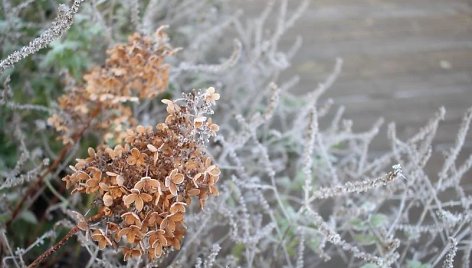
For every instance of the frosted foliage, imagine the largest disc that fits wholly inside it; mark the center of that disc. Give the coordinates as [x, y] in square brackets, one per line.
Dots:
[59, 26]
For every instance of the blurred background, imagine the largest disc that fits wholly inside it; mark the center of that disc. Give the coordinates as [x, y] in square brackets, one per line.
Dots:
[403, 60]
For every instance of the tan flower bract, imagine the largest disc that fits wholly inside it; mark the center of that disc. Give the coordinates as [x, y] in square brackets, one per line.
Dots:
[144, 197]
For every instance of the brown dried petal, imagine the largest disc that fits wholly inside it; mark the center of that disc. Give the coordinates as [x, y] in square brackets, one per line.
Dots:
[177, 207]
[173, 189]
[196, 178]
[214, 170]
[81, 221]
[139, 203]
[178, 178]
[100, 237]
[107, 200]
[168, 225]
[129, 253]
[131, 218]
[132, 233]
[147, 184]
[91, 152]
[193, 192]
[111, 174]
[153, 218]
[156, 157]
[129, 199]
[177, 217]
[151, 148]
[213, 190]
[120, 180]
[146, 197]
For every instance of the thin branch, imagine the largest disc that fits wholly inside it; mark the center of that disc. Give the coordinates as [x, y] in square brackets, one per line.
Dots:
[64, 20]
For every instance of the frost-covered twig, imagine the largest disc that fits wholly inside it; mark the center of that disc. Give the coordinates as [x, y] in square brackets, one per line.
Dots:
[358, 187]
[62, 23]
[216, 68]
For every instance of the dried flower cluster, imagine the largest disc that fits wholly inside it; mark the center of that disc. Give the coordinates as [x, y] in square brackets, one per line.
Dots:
[132, 71]
[144, 186]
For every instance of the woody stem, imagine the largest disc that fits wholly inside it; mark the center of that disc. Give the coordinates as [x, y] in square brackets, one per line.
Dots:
[34, 188]
[41, 258]
[54, 248]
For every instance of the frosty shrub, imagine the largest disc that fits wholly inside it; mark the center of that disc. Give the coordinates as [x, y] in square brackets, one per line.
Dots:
[103, 154]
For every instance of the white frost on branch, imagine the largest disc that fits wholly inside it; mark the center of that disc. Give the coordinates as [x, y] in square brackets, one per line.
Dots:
[62, 23]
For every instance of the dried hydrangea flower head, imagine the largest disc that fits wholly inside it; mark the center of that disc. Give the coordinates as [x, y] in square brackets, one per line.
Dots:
[132, 71]
[145, 185]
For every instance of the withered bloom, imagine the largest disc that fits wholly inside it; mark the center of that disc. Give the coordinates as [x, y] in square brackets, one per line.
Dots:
[132, 72]
[146, 183]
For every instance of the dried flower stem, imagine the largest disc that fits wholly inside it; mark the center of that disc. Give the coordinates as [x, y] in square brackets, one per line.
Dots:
[34, 187]
[41, 258]
[54, 248]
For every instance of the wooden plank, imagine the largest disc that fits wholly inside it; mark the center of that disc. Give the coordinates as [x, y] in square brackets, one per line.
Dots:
[402, 59]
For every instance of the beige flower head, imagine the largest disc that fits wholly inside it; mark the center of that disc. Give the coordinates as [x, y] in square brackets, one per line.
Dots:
[145, 185]
[132, 72]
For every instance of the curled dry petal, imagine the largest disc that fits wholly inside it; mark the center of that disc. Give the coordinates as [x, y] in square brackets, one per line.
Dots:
[173, 189]
[212, 127]
[213, 190]
[157, 237]
[154, 150]
[129, 253]
[178, 178]
[151, 148]
[193, 192]
[177, 207]
[152, 218]
[120, 180]
[131, 218]
[214, 170]
[147, 184]
[173, 180]
[196, 178]
[116, 191]
[80, 220]
[136, 158]
[117, 178]
[99, 236]
[132, 233]
[107, 200]
[168, 225]
[176, 217]
[91, 152]
[129, 199]
[172, 108]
